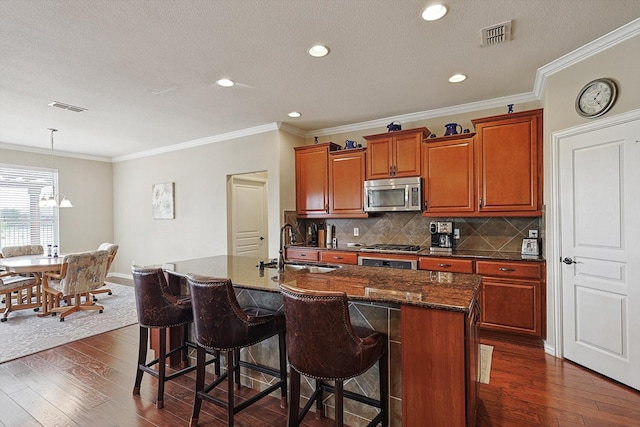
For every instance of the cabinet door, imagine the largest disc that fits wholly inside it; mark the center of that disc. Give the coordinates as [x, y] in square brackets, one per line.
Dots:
[346, 183]
[407, 154]
[512, 306]
[447, 171]
[312, 180]
[509, 162]
[379, 157]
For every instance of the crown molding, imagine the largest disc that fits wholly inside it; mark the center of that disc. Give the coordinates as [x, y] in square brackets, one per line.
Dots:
[198, 142]
[429, 114]
[47, 152]
[292, 129]
[601, 44]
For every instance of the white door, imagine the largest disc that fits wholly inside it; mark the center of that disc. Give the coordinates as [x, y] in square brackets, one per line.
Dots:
[599, 197]
[249, 216]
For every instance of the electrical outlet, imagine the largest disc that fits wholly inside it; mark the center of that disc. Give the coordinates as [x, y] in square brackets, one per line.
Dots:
[356, 231]
[533, 234]
[456, 233]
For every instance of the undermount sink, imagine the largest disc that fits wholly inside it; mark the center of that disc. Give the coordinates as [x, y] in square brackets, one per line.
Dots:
[311, 268]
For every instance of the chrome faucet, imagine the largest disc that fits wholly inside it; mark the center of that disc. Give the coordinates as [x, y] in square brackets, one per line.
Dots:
[281, 259]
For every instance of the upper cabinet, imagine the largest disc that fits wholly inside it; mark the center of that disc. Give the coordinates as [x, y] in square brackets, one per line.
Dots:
[346, 188]
[394, 154]
[509, 164]
[312, 179]
[448, 175]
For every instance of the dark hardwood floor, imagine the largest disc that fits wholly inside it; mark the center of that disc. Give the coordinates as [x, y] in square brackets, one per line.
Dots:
[89, 383]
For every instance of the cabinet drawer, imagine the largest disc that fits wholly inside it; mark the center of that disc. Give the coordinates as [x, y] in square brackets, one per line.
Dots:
[522, 269]
[446, 264]
[339, 257]
[302, 254]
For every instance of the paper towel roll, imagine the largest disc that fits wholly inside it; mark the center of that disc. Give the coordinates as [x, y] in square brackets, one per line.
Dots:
[329, 236]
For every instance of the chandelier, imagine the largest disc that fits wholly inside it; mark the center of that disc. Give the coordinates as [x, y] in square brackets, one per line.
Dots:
[54, 200]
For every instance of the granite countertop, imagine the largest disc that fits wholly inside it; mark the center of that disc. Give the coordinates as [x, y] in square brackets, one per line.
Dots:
[488, 255]
[439, 290]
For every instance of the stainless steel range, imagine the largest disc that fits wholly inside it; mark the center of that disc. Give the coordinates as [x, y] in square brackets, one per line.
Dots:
[394, 260]
[391, 249]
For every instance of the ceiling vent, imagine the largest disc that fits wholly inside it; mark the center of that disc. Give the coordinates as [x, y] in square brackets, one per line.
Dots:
[67, 107]
[496, 34]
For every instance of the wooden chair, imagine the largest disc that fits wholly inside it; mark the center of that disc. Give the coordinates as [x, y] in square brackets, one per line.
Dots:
[19, 292]
[80, 274]
[113, 250]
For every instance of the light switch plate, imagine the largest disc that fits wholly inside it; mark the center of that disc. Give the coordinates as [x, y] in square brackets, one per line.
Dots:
[456, 233]
[533, 234]
[356, 231]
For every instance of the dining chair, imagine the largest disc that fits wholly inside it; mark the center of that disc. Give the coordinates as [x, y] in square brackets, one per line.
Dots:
[80, 274]
[113, 250]
[20, 292]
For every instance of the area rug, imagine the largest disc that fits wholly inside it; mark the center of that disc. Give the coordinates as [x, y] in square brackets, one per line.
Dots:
[25, 333]
[486, 353]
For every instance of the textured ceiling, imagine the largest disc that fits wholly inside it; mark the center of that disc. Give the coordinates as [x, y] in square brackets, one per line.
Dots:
[146, 70]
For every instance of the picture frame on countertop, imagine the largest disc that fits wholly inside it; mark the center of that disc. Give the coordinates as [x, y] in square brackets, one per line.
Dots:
[162, 200]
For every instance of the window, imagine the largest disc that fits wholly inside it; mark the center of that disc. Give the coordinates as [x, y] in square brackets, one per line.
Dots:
[22, 221]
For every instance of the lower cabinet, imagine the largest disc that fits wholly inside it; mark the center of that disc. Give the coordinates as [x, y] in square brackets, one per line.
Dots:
[513, 297]
[439, 388]
[302, 254]
[453, 265]
[339, 257]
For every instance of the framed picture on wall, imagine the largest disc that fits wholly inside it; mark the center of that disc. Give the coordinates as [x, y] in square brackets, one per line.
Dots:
[162, 200]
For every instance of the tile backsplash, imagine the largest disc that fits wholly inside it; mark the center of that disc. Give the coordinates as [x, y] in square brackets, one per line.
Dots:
[484, 234]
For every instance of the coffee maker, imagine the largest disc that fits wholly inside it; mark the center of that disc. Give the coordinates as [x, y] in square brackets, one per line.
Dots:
[441, 236]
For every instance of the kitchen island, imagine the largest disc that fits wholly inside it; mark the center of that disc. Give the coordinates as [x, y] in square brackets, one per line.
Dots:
[430, 319]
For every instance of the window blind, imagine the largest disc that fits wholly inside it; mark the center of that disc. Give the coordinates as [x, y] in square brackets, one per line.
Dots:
[22, 221]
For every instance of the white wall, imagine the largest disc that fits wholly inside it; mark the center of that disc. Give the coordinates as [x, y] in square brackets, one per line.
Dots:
[620, 63]
[89, 186]
[200, 176]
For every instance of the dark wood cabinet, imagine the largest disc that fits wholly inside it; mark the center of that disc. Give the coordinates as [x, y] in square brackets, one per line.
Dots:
[302, 254]
[513, 297]
[439, 388]
[339, 257]
[509, 164]
[394, 154]
[448, 175]
[453, 265]
[346, 183]
[312, 179]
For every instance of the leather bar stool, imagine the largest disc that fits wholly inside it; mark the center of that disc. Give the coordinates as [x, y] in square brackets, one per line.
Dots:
[323, 344]
[222, 324]
[159, 308]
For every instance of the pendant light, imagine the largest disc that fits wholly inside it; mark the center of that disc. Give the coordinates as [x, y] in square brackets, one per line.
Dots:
[54, 200]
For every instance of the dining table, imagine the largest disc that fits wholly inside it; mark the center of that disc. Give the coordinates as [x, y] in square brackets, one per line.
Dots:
[35, 265]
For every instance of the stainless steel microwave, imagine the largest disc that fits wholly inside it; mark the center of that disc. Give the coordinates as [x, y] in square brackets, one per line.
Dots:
[393, 195]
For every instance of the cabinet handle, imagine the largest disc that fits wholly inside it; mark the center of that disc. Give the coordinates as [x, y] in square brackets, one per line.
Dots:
[508, 270]
[390, 170]
[444, 265]
[426, 204]
[480, 204]
[303, 254]
[326, 208]
[337, 257]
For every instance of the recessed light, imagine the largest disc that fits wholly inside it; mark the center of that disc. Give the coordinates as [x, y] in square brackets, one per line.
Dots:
[225, 83]
[457, 78]
[294, 114]
[318, 51]
[434, 12]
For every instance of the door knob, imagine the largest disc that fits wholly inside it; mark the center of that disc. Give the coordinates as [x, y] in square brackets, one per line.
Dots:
[261, 238]
[570, 261]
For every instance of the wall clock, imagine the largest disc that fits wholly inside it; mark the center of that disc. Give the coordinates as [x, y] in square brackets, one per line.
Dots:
[596, 98]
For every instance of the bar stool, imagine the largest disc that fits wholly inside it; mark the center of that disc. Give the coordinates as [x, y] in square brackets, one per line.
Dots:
[222, 324]
[159, 308]
[322, 344]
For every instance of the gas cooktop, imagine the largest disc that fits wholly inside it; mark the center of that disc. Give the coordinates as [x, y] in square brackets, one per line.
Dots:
[390, 248]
